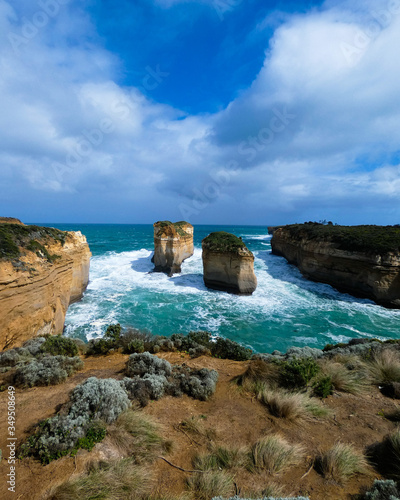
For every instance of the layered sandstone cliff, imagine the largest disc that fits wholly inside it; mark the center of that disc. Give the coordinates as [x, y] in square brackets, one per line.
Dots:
[42, 272]
[361, 260]
[228, 264]
[173, 243]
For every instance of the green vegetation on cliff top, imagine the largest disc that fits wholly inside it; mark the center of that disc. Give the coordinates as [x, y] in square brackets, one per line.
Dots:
[369, 239]
[177, 225]
[13, 237]
[222, 241]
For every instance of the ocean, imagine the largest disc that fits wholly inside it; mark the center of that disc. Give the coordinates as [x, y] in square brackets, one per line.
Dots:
[285, 310]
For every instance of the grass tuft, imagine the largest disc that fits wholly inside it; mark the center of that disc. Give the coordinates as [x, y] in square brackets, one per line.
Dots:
[385, 367]
[292, 406]
[220, 458]
[210, 484]
[341, 462]
[274, 454]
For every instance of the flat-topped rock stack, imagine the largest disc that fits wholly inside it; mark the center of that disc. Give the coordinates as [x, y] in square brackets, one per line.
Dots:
[173, 243]
[228, 265]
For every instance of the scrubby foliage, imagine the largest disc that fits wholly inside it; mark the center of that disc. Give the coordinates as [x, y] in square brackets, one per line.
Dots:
[221, 241]
[93, 402]
[386, 455]
[370, 239]
[47, 371]
[383, 490]
[298, 372]
[228, 349]
[57, 345]
[323, 387]
[152, 377]
[263, 498]
[104, 345]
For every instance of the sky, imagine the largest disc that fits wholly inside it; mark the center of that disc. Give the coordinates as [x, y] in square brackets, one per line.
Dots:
[211, 111]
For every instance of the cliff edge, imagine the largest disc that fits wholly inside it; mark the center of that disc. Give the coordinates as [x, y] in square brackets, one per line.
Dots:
[228, 264]
[173, 243]
[363, 261]
[42, 271]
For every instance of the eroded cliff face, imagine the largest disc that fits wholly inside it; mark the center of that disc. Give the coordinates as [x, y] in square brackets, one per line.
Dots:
[173, 243]
[228, 265]
[42, 272]
[362, 274]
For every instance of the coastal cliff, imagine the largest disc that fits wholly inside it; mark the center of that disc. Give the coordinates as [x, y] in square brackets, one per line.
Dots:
[42, 271]
[173, 243]
[363, 261]
[228, 264]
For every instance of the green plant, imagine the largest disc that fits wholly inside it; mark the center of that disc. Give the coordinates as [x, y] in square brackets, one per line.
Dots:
[57, 345]
[298, 372]
[221, 241]
[47, 371]
[221, 457]
[323, 387]
[209, 484]
[341, 462]
[274, 454]
[228, 349]
[386, 455]
[384, 367]
[383, 490]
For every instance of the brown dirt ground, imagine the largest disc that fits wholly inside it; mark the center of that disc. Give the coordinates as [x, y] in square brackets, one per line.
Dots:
[237, 418]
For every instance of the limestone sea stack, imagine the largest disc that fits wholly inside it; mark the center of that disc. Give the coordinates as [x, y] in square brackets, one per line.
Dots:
[173, 243]
[228, 265]
[42, 271]
[363, 261]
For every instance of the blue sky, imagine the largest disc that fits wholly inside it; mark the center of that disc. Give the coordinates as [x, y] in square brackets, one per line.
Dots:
[213, 111]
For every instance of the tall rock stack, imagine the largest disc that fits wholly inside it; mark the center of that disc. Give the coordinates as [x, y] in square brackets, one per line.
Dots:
[42, 271]
[173, 243]
[228, 265]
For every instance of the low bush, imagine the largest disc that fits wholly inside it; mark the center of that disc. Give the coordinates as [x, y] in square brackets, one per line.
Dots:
[341, 462]
[9, 358]
[47, 371]
[96, 400]
[228, 349]
[34, 346]
[199, 384]
[110, 341]
[274, 454]
[383, 490]
[298, 372]
[147, 364]
[120, 480]
[56, 345]
[323, 387]
[209, 484]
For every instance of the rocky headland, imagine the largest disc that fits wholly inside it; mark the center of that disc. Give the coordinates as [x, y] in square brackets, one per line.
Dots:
[173, 243]
[363, 261]
[228, 265]
[42, 271]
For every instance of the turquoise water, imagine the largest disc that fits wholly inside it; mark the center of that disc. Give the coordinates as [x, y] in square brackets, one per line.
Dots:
[285, 309]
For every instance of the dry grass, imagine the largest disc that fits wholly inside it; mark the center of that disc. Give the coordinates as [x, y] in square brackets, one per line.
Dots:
[385, 367]
[291, 406]
[341, 462]
[259, 371]
[274, 454]
[210, 484]
[196, 427]
[270, 490]
[122, 480]
[220, 457]
[134, 434]
[344, 379]
[386, 455]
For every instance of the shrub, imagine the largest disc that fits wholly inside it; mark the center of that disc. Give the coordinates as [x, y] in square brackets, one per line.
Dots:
[323, 387]
[383, 490]
[291, 406]
[341, 462]
[298, 372]
[48, 371]
[110, 341]
[138, 389]
[34, 345]
[9, 358]
[121, 480]
[146, 363]
[274, 454]
[92, 401]
[228, 349]
[199, 384]
[209, 484]
[57, 345]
